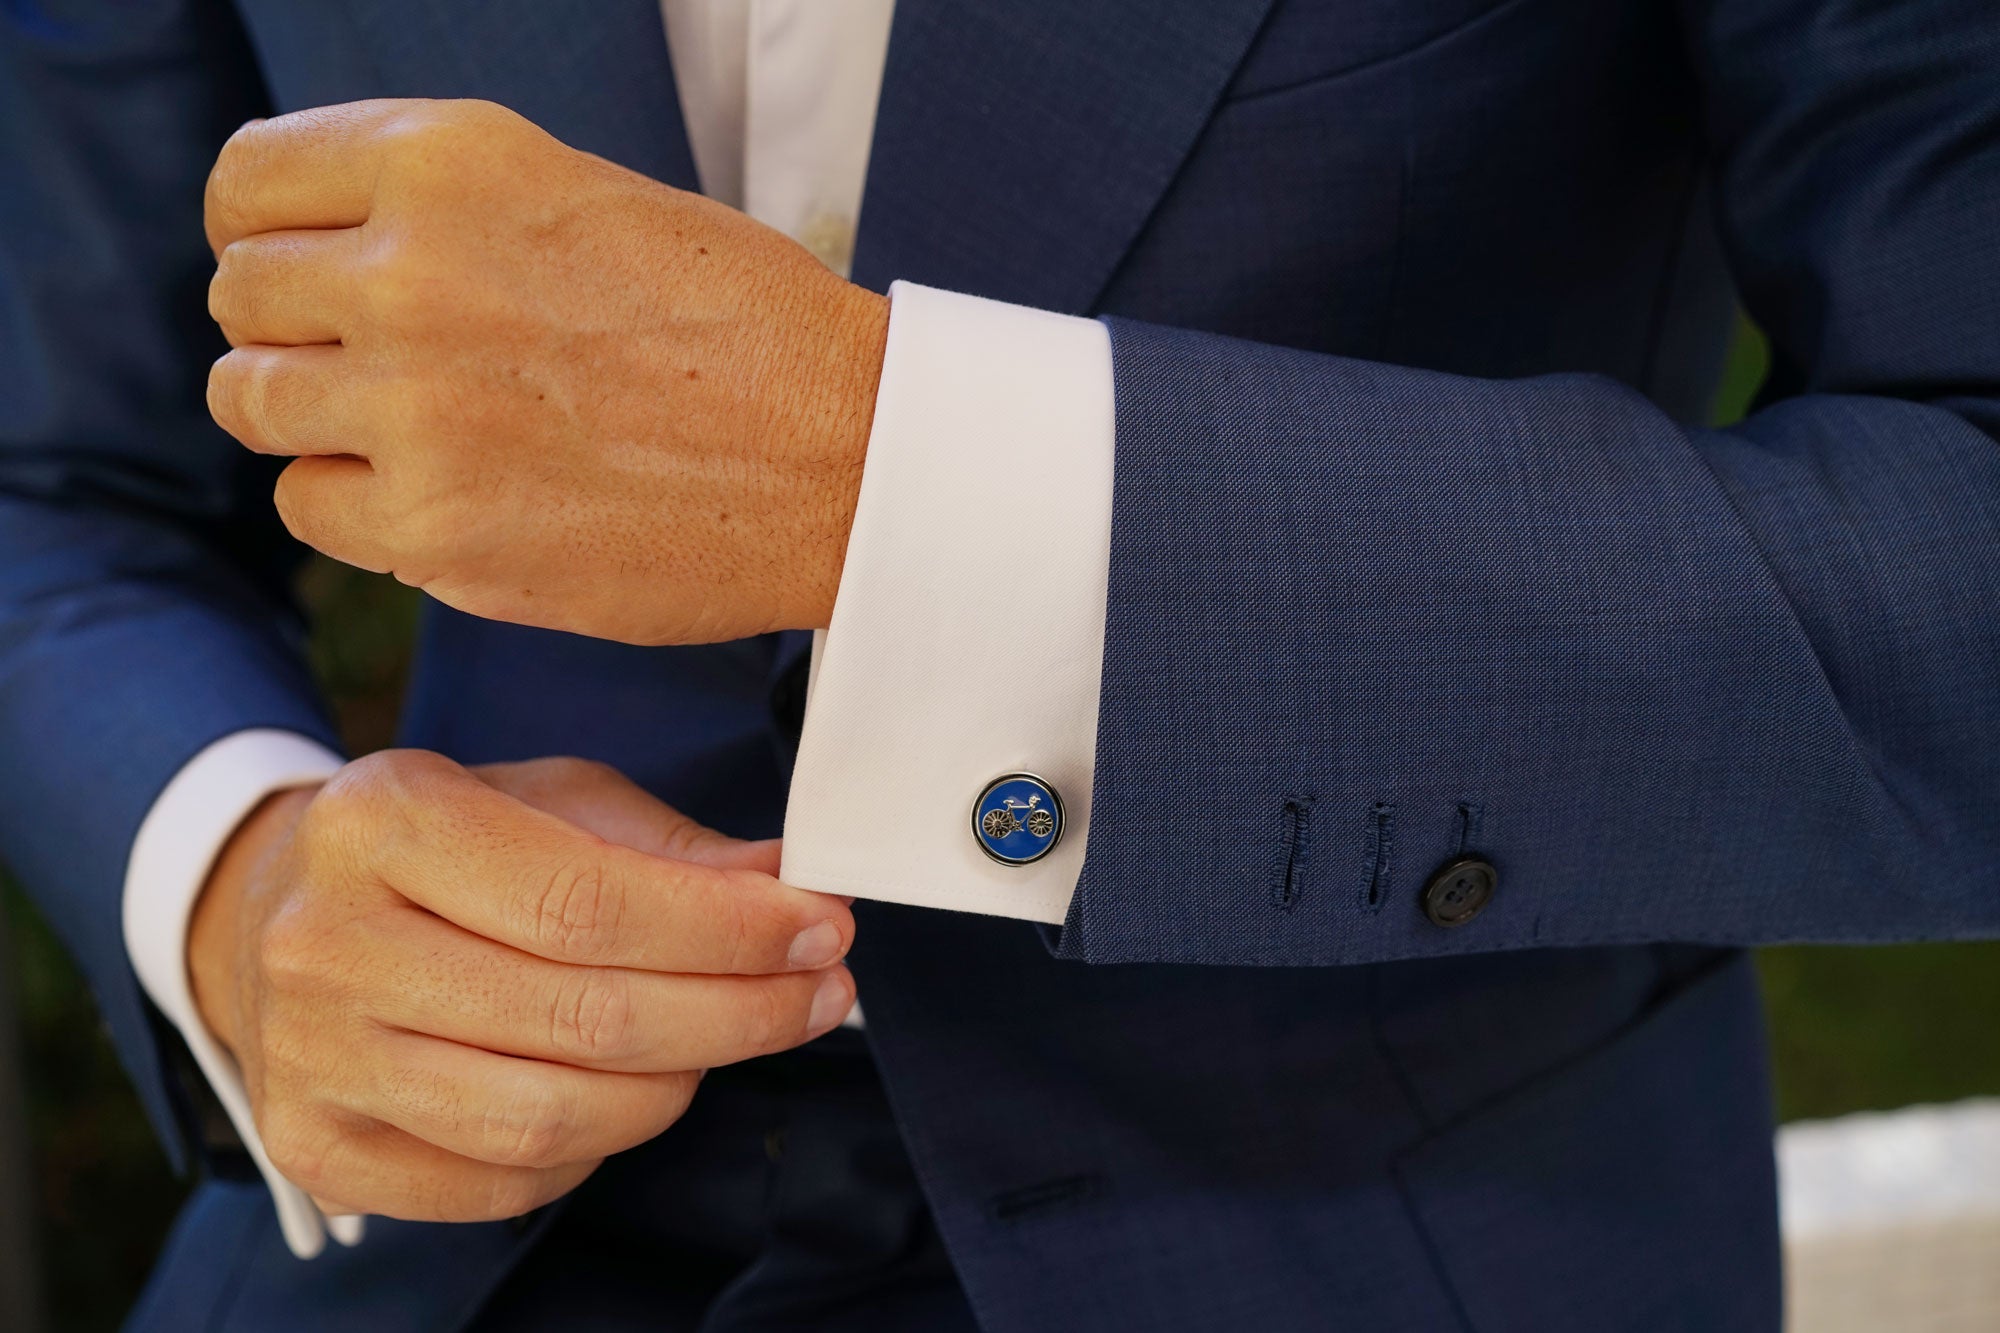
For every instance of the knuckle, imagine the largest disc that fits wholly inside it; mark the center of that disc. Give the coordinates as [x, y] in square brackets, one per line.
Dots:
[223, 200]
[408, 765]
[406, 775]
[527, 1127]
[376, 806]
[578, 911]
[685, 838]
[592, 1017]
[546, 778]
[679, 1093]
[760, 932]
[291, 1048]
[288, 951]
[574, 770]
[290, 499]
[389, 281]
[407, 134]
[264, 405]
[222, 294]
[479, 111]
[343, 803]
[773, 1016]
[510, 1194]
[297, 1145]
[404, 402]
[741, 940]
[286, 398]
[232, 301]
[451, 120]
[425, 133]
[431, 528]
[241, 294]
[424, 1093]
[377, 784]
[224, 393]
[442, 145]
[236, 264]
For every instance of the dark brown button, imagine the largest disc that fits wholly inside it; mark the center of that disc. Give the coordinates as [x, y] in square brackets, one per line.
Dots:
[1459, 891]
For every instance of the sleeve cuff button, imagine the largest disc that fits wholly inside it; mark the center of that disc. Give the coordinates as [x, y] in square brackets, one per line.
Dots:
[1459, 891]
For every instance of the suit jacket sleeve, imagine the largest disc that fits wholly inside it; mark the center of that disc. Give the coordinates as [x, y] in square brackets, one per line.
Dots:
[1734, 686]
[142, 610]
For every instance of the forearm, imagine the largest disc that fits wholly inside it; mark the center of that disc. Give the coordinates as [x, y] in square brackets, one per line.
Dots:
[125, 649]
[1675, 685]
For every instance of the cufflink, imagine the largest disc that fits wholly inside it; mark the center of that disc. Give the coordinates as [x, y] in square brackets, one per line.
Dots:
[1017, 819]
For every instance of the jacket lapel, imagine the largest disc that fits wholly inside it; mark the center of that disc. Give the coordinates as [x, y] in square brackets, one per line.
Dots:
[594, 73]
[1020, 145]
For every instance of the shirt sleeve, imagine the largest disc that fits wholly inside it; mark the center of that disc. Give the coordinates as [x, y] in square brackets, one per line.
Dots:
[968, 633]
[177, 842]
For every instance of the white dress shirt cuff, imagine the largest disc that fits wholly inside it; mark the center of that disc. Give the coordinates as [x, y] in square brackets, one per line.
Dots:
[178, 841]
[968, 633]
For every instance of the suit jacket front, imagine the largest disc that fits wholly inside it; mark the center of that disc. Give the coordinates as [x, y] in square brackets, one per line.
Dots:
[1418, 548]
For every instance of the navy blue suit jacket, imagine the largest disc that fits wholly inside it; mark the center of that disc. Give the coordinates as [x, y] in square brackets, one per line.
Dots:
[1419, 547]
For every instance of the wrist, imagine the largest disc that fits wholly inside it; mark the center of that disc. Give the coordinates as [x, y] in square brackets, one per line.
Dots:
[214, 924]
[843, 408]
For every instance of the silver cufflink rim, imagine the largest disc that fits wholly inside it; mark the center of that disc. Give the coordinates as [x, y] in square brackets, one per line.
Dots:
[1055, 800]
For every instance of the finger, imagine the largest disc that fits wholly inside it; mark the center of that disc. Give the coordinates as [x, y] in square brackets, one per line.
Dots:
[508, 1111]
[502, 869]
[440, 981]
[288, 400]
[762, 856]
[313, 168]
[285, 287]
[598, 797]
[328, 502]
[356, 1166]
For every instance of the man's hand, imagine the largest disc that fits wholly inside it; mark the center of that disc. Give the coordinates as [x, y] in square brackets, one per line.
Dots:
[453, 993]
[539, 386]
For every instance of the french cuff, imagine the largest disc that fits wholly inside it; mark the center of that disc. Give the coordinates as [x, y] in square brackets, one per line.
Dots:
[967, 637]
[178, 841]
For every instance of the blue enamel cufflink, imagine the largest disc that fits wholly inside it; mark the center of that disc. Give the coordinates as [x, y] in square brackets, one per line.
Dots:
[1017, 819]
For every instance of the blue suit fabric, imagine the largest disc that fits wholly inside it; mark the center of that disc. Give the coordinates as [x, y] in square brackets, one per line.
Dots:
[1420, 547]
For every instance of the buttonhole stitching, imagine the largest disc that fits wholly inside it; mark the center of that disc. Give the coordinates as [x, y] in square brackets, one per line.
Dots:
[1295, 837]
[1469, 815]
[1380, 847]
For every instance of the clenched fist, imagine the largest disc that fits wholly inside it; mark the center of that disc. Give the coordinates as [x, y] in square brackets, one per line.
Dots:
[452, 993]
[539, 386]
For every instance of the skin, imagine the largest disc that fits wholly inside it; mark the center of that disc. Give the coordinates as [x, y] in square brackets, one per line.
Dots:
[453, 992]
[539, 386]
[547, 390]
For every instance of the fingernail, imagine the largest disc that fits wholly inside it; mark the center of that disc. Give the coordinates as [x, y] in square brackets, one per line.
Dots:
[830, 1004]
[816, 946]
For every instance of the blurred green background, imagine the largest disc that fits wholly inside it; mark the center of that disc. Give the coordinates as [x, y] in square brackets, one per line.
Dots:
[1851, 1029]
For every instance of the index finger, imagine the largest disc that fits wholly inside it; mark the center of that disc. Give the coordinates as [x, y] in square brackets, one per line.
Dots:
[514, 874]
[303, 170]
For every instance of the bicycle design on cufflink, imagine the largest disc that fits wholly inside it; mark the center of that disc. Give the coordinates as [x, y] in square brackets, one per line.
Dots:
[1007, 818]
